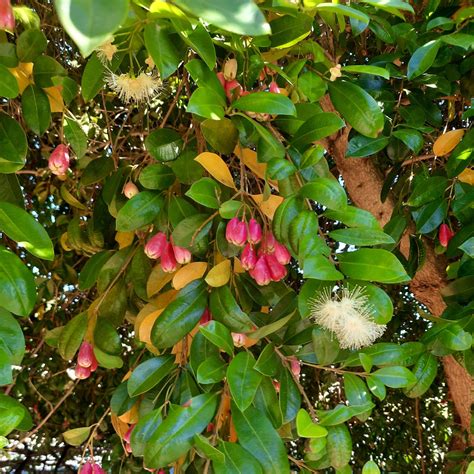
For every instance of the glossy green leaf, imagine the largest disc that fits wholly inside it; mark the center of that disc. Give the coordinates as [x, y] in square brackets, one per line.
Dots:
[36, 109]
[45, 69]
[17, 285]
[361, 237]
[376, 386]
[425, 371]
[225, 309]
[312, 85]
[268, 362]
[320, 268]
[174, 436]
[106, 337]
[206, 102]
[200, 40]
[148, 374]
[373, 265]
[206, 191]
[13, 415]
[307, 428]
[318, 126]
[157, 177]
[339, 446]
[395, 376]
[265, 103]
[287, 30]
[191, 230]
[290, 398]
[237, 16]
[411, 138]
[222, 134]
[325, 346]
[237, 460]
[360, 146]
[257, 435]
[325, 191]
[93, 78]
[342, 10]
[428, 190]
[164, 144]
[90, 271]
[72, 335]
[8, 83]
[207, 449]
[76, 137]
[30, 44]
[11, 337]
[25, 230]
[13, 145]
[365, 69]
[422, 59]
[358, 107]
[90, 22]
[180, 316]
[77, 436]
[141, 210]
[212, 370]
[430, 216]
[219, 335]
[354, 217]
[370, 468]
[243, 379]
[143, 431]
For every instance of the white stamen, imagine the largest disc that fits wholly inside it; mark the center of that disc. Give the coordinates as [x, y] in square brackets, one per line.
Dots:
[137, 89]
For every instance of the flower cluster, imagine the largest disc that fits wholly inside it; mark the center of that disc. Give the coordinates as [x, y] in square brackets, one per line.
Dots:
[265, 264]
[349, 317]
[86, 361]
[58, 161]
[159, 247]
[91, 467]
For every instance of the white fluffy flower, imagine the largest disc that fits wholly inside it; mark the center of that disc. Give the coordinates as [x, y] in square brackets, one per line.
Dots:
[348, 316]
[138, 89]
[105, 52]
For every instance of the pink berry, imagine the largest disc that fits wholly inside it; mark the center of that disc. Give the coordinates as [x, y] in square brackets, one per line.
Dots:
[261, 273]
[58, 161]
[248, 257]
[255, 232]
[168, 260]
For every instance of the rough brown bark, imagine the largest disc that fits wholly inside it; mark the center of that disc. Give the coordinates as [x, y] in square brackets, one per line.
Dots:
[364, 184]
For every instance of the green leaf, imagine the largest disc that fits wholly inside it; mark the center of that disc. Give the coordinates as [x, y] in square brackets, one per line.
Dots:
[120, 402]
[370, 468]
[361, 146]
[268, 362]
[395, 376]
[354, 217]
[13, 145]
[265, 103]
[462, 40]
[45, 69]
[143, 431]
[373, 265]
[362, 69]
[77, 436]
[429, 217]
[237, 16]
[455, 338]
[206, 102]
[212, 370]
[91, 22]
[25, 230]
[257, 435]
[237, 460]
[320, 268]
[93, 78]
[157, 177]
[325, 346]
[36, 109]
[318, 126]
[180, 316]
[411, 138]
[148, 374]
[422, 59]
[10, 190]
[339, 446]
[72, 335]
[6, 373]
[325, 191]
[243, 379]
[11, 337]
[287, 30]
[8, 56]
[200, 40]
[219, 335]
[8, 83]
[225, 309]
[468, 247]
[174, 436]
[376, 386]
[13, 415]
[361, 236]
[17, 285]
[358, 107]
[191, 230]
[164, 144]
[342, 413]
[106, 337]
[290, 398]
[312, 85]
[428, 190]
[207, 449]
[141, 210]
[425, 371]
[342, 10]
[90, 271]
[306, 427]
[222, 134]
[76, 137]
[390, 5]
[206, 191]
[30, 44]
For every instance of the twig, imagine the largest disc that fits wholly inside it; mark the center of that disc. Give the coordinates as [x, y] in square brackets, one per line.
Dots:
[420, 435]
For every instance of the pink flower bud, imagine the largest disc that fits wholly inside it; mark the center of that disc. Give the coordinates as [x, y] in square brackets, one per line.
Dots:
[206, 317]
[7, 18]
[276, 384]
[233, 89]
[220, 76]
[154, 247]
[82, 372]
[445, 235]
[126, 436]
[96, 469]
[210, 427]
[295, 367]
[274, 87]
[255, 232]
[248, 258]
[239, 339]
[86, 468]
[94, 365]
[58, 161]
[181, 254]
[128, 448]
[230, 69]
[161, 471]
[261, 273]
[168, 260]
[130, 190]
[277, 270]
[268, 243]
[86, 356]
[282, 254]
[236, 232]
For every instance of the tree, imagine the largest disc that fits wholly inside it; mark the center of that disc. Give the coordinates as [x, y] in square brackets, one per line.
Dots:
[235, 233]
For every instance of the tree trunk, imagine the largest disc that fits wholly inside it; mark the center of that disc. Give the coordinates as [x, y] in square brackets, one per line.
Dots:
[364, 184]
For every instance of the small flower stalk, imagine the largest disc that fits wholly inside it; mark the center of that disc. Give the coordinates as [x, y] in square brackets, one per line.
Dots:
[348, 316]
[58, 161]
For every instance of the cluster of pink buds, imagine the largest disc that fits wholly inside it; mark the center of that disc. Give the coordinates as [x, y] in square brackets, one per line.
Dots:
[91, 467]
[445, 235]
[159, 247]
[7, 18]
[126, 438]
[86, 361]
[58, 161]
[265, 264]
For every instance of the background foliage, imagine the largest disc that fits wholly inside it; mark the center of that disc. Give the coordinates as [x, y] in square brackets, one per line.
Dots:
[392, 78]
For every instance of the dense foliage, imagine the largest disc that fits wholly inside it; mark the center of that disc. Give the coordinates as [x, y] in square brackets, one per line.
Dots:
[187, 282]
